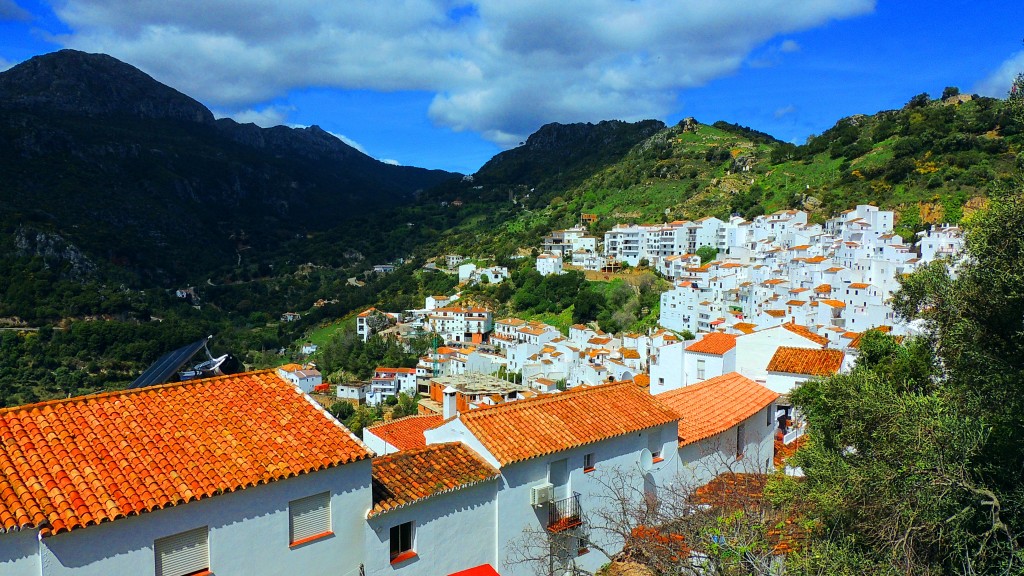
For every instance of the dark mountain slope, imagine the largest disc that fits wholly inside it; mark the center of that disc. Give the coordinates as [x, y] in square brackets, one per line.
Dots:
[140, 176]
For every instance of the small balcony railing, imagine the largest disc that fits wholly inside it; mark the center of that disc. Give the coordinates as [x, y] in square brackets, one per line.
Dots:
[565, 514]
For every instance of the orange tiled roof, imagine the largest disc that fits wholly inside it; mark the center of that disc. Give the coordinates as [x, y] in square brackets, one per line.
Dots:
[553, 422]
[409, 476]
[811, 361]
[823, 289]
[775, 313]
[714, 343]
[806, 333]
[859, 285]
[739, 491]
[745, 327]
[72, 463]
[715, 405]
[406, 433]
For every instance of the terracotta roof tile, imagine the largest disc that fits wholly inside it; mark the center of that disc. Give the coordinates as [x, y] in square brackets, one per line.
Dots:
[714, 343]
[406, 433]
[785, 531]
[814, 362]
[553, 422]
[806, 333]
[81, 461]
[715, 405]
[409, 476]
[745, 327]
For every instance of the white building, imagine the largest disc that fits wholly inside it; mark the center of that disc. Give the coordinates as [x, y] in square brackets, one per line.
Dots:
[434, 511]
[305, 377]
[182, 479]
[388, 382]
[460, 324]
[549, 263]
[547, 450]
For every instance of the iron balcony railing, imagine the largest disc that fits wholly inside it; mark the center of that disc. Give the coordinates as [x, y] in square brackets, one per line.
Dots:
[565, 514]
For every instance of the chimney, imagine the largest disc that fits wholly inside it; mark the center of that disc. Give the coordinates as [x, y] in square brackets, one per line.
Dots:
[448, 409]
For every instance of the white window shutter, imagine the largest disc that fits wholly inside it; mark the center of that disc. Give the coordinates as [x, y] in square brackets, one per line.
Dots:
[310, 516]
[183, 553]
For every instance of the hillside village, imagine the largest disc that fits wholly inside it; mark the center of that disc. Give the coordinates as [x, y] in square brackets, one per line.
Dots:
[514, 416]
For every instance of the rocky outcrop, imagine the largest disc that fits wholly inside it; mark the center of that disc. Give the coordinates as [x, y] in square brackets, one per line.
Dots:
[55, 251]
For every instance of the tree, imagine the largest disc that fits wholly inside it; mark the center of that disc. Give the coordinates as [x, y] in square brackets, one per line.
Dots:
[950, 91]
[341, 410]
[914, 458]
[405, 406]
[707, 254]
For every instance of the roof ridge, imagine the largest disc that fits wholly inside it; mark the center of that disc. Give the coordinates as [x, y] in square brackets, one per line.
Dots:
[130, 391]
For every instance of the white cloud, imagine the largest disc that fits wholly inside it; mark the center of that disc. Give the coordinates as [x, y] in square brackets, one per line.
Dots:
[349, 141]
[500, 68]
[997, 84]
[391, 161]
[784, 111]
[789, 46]
[9, 10]
[265, 117]
[5, 64]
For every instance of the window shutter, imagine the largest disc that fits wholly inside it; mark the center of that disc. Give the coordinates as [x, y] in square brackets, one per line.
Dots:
[184, 553]
[310, 516]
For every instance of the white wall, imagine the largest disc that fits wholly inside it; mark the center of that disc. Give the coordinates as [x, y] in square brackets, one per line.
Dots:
[19, 553]
[698, 463]
[515, 512]
[248, 532]
[668, 374]
[452, 532]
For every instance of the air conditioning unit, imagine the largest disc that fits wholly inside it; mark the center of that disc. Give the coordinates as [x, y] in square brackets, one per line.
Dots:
[541, 494]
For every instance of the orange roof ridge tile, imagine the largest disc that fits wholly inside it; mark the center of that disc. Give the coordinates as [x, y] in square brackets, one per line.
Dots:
[410, 476]
[191, 440]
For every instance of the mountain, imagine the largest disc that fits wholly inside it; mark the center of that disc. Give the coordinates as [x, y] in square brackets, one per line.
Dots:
[932, 161]
[134, 175]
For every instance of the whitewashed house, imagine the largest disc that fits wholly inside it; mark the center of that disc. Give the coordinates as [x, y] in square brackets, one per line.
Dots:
[434, 510]
[388, 382]
[549, 263]
[547, 450]
[305, 377]
[726, 423]
[182, 479]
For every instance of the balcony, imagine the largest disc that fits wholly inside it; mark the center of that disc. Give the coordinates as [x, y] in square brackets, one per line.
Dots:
[565, 514]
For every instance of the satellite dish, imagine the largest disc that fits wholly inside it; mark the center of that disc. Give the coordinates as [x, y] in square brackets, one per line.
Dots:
[646, 460]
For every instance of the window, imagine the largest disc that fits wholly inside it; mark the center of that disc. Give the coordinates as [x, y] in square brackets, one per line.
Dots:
[401, 542]
[588, 462]
[740, 440]
[768, 415]
[309, 518]
[183, 554]
[700, 369]
[654, 444]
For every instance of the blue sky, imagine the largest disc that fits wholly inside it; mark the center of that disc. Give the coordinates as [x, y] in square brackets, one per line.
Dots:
[449, 83]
